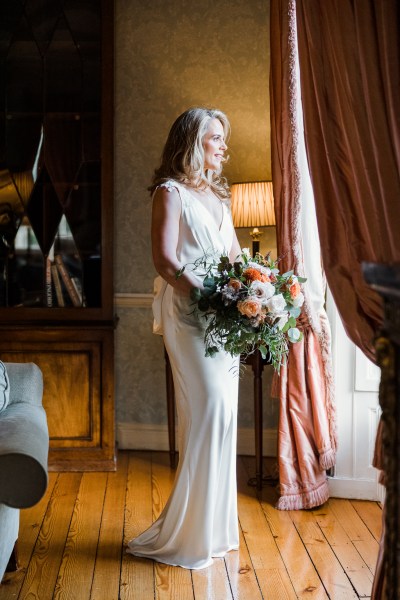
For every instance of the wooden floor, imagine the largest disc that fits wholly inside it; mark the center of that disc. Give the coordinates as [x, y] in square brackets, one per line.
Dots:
[71, 545]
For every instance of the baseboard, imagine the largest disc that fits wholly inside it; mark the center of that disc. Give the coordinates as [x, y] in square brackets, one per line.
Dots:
[354, 489]
[139, 436]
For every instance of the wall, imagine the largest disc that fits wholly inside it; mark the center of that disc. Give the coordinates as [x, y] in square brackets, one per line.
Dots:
[170, 56]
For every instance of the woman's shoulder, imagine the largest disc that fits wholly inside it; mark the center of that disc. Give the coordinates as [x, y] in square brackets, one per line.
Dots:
[169, 185]
[168, 194]
[172, 188]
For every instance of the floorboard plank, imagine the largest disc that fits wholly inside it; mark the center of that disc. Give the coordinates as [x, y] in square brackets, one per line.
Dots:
[29, 528]
[242, 578]
[302, 572]
[212, 583]
[270, 570]
[41, 577]
[357, 531]
[107, 569]
[371, 515]
[137, 574]
[357, 571]
[329, 569]
[171, 583]
[76, 572]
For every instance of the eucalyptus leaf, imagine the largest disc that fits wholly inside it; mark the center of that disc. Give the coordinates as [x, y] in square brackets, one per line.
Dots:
[211, 351]
[294, 311]
[208, 282]
[208, 291]
[264, 351]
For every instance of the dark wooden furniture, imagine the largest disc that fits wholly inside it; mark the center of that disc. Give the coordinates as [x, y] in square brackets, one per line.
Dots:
[257, 364]
[385, 280]
[56, 208]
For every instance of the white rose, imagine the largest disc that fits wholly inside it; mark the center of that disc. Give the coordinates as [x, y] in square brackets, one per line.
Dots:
[282, 320]
[263, 291]
[246, 252]
[276, 304]
[294, 334]
[298, 301]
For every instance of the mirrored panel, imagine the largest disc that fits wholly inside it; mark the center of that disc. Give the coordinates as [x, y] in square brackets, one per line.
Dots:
[50, 159]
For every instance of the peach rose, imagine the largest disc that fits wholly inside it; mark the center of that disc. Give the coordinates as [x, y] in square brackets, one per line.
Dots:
[235, 284]
[249, 308]
[252, 274]
[294, 290]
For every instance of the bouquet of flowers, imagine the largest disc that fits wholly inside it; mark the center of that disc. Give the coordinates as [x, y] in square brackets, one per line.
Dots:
[248, 305]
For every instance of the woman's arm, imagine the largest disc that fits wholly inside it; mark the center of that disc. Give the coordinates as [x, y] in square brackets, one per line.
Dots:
[164, 239]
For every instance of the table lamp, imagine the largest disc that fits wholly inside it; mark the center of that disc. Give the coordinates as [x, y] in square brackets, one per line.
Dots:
[253, 206]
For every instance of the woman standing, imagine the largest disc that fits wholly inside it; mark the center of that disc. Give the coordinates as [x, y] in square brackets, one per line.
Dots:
[191, 218]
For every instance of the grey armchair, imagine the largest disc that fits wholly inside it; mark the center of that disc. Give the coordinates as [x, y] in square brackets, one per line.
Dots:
[24, 443]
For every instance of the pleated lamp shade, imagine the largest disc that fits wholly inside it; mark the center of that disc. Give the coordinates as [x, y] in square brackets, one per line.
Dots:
[253, 204]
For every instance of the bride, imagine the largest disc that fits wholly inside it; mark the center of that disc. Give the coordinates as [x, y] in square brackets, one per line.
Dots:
[191, 215]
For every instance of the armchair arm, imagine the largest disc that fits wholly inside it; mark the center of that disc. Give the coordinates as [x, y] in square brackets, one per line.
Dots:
[24, 439]
[26, 383]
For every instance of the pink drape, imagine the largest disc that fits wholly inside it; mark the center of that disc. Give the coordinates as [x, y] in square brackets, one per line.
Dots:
[307, 436]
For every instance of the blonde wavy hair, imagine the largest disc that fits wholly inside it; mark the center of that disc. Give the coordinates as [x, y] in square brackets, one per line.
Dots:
[183, 154]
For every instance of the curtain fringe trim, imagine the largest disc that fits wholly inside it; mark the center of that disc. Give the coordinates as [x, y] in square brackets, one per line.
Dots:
[325, 345]
[327, 459]
[304, 500]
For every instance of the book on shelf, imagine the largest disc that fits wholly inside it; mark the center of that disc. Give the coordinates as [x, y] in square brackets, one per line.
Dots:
[49, 289]
[57, 285]
[76, 282]
[66, 278]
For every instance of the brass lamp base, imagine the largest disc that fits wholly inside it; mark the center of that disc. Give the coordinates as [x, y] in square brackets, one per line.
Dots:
[256, 235]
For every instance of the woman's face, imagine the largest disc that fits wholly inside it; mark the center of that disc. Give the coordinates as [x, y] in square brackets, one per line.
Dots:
[214, 146]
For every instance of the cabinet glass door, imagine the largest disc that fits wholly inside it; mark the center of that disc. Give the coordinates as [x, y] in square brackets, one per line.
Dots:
[50, 158]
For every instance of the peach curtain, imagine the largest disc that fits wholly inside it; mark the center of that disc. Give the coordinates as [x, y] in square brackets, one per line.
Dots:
[307, 433]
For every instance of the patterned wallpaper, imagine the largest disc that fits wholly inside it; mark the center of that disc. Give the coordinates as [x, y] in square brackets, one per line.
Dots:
[171, 55]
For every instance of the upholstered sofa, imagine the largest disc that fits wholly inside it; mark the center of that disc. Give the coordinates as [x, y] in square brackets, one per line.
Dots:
[24, 443]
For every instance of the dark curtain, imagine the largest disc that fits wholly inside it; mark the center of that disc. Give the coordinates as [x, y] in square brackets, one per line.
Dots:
[349, 53]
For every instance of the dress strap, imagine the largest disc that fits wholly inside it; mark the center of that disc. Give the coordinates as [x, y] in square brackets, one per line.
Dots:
[171, 184]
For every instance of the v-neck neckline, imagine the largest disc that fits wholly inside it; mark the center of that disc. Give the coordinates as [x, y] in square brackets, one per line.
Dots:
[218, 227]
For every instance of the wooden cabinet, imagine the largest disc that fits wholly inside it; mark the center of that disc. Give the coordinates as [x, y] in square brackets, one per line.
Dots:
[56, 216]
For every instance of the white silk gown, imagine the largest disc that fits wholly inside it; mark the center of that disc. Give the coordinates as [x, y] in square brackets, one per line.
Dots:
[200, 519]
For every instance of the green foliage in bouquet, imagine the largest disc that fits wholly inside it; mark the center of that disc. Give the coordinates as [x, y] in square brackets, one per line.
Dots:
[248, 305]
